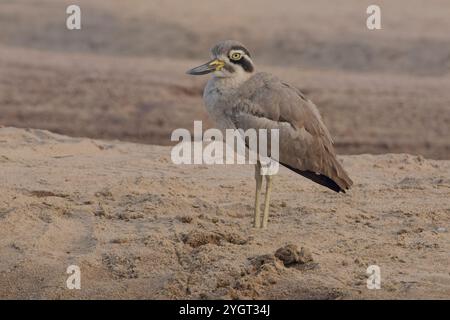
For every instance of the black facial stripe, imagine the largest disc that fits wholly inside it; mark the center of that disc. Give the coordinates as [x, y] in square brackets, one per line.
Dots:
[242, 49]
[244, 63]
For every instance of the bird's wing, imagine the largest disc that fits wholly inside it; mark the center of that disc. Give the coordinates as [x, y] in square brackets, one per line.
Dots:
[306, 147]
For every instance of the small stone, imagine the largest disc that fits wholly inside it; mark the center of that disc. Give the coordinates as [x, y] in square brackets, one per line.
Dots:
[222, 283]
[198, 238]
[100, 211]
[185, 219]
[305, 255]
[290, 255]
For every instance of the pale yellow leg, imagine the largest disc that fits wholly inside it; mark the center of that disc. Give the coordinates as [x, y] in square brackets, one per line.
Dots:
[267, 200]
[258, 178]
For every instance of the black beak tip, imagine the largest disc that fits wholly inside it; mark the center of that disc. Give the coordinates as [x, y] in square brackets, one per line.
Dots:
[201, 70]
[192, 72]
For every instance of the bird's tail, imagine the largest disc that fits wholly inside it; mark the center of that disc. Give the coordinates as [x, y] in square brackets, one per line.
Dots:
[340, 176]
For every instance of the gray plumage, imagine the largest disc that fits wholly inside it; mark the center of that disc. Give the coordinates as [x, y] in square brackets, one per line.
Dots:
[236, 97]
[262, 101]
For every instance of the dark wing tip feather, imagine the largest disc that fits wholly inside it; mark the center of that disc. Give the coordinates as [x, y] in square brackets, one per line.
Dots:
[318, 178]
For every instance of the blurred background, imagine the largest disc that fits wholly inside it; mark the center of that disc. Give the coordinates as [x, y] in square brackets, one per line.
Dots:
[122, 76]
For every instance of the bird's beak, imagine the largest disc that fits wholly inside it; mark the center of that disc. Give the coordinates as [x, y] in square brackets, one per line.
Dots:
[211, 66]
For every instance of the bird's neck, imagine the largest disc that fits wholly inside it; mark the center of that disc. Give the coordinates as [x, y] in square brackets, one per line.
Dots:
[230, 83]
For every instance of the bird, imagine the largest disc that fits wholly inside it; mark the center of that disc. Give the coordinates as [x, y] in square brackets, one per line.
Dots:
[237, 96]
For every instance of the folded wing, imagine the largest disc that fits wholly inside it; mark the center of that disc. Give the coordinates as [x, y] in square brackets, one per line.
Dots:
[306, 147]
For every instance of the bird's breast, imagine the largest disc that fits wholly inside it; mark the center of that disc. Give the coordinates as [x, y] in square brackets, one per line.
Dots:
[217, 101]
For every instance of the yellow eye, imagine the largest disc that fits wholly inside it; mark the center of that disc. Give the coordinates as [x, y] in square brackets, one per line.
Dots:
[236, 56]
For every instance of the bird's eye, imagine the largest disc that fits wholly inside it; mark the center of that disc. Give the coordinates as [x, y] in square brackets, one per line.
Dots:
[236, 56]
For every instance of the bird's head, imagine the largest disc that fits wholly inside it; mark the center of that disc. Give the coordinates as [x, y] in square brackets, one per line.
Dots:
[230, 59]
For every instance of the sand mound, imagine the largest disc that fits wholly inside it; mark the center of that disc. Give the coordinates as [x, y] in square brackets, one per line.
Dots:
[140, 227]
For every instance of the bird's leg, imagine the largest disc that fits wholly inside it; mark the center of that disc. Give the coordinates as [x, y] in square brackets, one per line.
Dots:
[258, 178]
[267, 200]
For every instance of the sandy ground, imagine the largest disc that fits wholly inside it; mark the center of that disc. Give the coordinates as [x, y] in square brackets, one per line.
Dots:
[122, 76]
[140, 227]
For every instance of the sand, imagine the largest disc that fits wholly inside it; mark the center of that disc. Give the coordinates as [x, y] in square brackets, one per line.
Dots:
[109, 200]
[140, 227]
